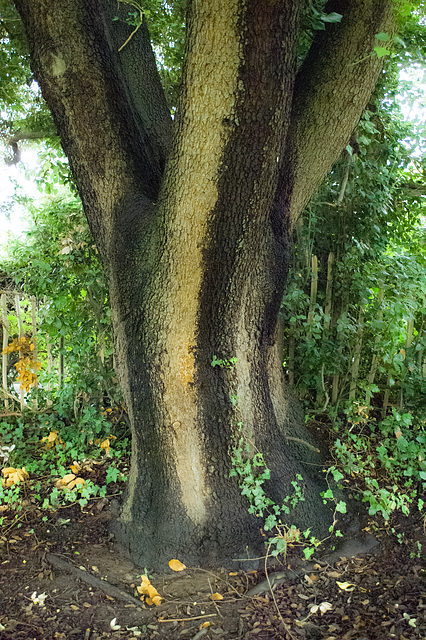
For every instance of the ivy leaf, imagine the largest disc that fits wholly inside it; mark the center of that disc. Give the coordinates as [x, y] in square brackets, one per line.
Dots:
[381, 52]
[383, 37]
[332, 17]
[341, 507]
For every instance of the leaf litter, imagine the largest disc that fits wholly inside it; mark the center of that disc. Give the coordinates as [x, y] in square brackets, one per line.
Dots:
[371, 597]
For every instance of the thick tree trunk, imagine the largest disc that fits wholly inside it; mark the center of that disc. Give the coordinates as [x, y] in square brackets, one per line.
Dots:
[193, 230]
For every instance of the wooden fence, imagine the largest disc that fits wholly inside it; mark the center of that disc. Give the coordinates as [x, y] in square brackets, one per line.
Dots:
[344, 385]
[11, 303]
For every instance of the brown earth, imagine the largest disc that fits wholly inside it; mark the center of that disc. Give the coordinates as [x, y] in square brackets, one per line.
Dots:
[385, 597]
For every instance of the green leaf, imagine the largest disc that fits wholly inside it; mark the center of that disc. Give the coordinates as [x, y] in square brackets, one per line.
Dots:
[341, 507]
[332, 17]
[383, 37]
[381, 52]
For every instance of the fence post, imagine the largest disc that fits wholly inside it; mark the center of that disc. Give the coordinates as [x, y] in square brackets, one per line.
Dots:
[21, 333]
[4, 358]
[357, 355]
[313, 299]
[375, 358]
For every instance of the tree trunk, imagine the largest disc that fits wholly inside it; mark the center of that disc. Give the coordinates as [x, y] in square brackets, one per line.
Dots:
[193, 229]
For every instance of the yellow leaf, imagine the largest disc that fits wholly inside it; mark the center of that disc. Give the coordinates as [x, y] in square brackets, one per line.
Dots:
[152, 592]
[65, 480]
[177, 565]
[204, 625]
[73, 483]
[8, 470]
[145, 584]
[233, 573]
[75, 467]
[215, 596]
[156, 600]
[345, 586]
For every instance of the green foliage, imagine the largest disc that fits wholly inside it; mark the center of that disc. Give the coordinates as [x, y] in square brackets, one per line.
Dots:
[224, 363]
[385, 461]
[58, 263]
[251, 471]
[48, 448]
[369, 214]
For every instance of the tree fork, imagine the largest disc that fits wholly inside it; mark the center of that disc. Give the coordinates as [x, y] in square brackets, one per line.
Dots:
[193, 227]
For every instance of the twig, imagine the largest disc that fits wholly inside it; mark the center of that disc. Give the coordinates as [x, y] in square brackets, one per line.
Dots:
[219, 578]
[89, 579]
[215, 605]
[207, 615]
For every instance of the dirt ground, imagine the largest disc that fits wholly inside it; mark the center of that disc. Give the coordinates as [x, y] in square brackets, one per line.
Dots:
[43, 595]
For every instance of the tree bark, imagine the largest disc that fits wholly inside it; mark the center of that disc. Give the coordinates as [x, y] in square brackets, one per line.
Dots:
[192, 222]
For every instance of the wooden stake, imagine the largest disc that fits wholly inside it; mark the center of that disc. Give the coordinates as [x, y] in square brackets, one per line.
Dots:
[21, 333]
[328, 292]
[375, 358]
[357, 355]
[313, 299]
[4, 358]
[34, 336]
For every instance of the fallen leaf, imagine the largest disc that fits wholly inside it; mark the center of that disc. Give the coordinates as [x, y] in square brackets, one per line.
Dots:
[152, 592]
[113, 625]
[322, 608]
[334, 574]
[176, 565]
[204, 625]
[215, 596]
[65, 480]
[346, 586]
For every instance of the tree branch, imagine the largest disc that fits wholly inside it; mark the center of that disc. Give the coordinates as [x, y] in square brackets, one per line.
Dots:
[332, 88]
[15, 157]
[115, 150]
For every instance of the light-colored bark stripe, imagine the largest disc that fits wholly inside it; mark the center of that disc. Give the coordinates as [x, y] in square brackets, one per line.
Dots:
[191, 188]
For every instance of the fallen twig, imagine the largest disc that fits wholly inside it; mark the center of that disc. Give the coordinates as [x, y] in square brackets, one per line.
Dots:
[88, 578]
[207, 615]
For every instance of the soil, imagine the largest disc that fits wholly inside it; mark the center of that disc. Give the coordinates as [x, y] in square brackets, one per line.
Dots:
[365, 598]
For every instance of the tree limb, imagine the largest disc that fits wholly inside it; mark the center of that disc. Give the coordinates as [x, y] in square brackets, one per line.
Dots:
[114, 150]
[332, 88]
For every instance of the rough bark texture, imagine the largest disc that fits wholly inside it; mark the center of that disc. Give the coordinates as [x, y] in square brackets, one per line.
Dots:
[193, 225]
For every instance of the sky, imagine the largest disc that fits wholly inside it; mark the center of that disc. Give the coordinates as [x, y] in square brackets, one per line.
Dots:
[10, 177]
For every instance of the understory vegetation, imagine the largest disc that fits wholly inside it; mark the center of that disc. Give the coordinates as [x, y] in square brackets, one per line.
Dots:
[353, 321]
